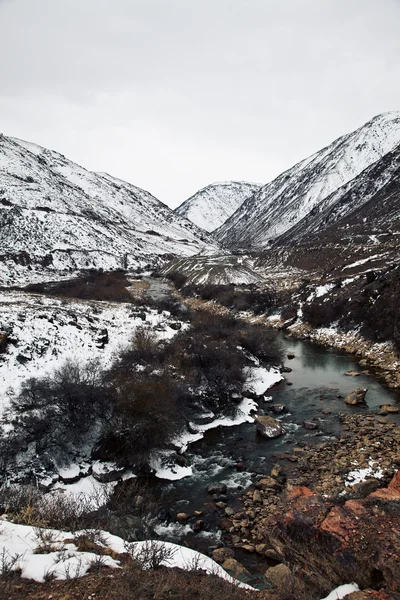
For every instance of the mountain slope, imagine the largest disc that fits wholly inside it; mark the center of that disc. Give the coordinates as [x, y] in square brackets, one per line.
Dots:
[370, 204]
[211, 206]
[281, 204]
[55, 214]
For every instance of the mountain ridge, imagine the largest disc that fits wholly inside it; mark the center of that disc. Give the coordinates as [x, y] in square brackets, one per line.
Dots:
[58, 213]
[281, 204]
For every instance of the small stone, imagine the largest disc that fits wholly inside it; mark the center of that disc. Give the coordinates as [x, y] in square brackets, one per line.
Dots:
[257, 498]
[229, 511]
[271, 553]
[389, 408]
[356, 397]
[290, 355]
[277, 408]
[310, 425]
[217, 488]
[249, 548]
[182, 517]
[261, 548]
[198, 525]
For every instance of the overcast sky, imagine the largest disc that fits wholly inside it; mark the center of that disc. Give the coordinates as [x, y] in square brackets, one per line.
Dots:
[174, 94]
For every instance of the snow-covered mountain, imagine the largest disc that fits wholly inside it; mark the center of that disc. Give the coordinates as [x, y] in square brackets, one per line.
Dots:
[368, 205]
[56, 215]
[282, 203]
[211, 206]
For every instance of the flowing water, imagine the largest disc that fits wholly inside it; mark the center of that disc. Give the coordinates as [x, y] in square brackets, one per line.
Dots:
[317, 378]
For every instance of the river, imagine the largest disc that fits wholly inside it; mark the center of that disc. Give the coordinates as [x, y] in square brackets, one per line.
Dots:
[317, 379]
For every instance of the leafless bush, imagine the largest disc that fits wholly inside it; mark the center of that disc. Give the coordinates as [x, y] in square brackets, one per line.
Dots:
[150, 554]
[46, 540]
[8, 563]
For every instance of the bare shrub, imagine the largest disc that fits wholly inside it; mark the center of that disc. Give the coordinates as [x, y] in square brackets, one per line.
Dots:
[46, 540]
[150, 554]
[91, 286]
[8, 563]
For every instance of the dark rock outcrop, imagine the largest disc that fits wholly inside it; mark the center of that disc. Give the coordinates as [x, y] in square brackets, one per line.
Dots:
[328, 543]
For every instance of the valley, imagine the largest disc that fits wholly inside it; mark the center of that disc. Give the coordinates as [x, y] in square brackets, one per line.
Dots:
[225, 389]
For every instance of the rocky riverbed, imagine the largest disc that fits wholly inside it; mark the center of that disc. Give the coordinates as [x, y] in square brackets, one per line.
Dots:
[351, 472]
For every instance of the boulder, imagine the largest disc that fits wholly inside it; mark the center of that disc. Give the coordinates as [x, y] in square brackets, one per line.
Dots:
[310, 425]
[280, 577]
[220, 555]
[235, 569]
[268, 427]
[356, 397]
[217, 488]
[290, 355]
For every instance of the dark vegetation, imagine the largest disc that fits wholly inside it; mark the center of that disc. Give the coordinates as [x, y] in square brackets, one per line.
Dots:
[94, 285]
[139, 404]
[238, 298]
[370, 303]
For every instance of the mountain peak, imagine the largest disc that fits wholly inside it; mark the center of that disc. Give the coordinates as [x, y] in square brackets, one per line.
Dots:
[211, 206]
[285, 201]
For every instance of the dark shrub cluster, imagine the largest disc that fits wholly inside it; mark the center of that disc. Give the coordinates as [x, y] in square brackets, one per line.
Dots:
[371, 304]
[239, 298]
[94, 285]
[141, 402]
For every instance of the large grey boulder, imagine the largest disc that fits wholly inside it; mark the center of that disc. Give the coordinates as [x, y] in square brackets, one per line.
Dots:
[268, 427]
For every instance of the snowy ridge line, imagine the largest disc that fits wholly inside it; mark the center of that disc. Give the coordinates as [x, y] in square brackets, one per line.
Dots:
[53, 209]
[281, 204]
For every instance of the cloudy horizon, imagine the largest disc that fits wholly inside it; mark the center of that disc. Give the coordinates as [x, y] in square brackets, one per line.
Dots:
[172, 95]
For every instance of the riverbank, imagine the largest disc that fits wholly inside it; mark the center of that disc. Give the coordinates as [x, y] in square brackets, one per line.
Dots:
[363, 461]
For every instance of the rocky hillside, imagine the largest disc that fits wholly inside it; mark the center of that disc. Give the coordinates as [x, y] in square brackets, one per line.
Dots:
[211, 206]
[56, 215]
[318, 181]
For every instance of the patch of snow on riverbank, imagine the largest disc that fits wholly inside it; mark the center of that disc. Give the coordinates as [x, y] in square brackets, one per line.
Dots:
[259, 379]
[342, 591]
[47, 331]
[359, 475]
[245, 408]
[20, 542]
